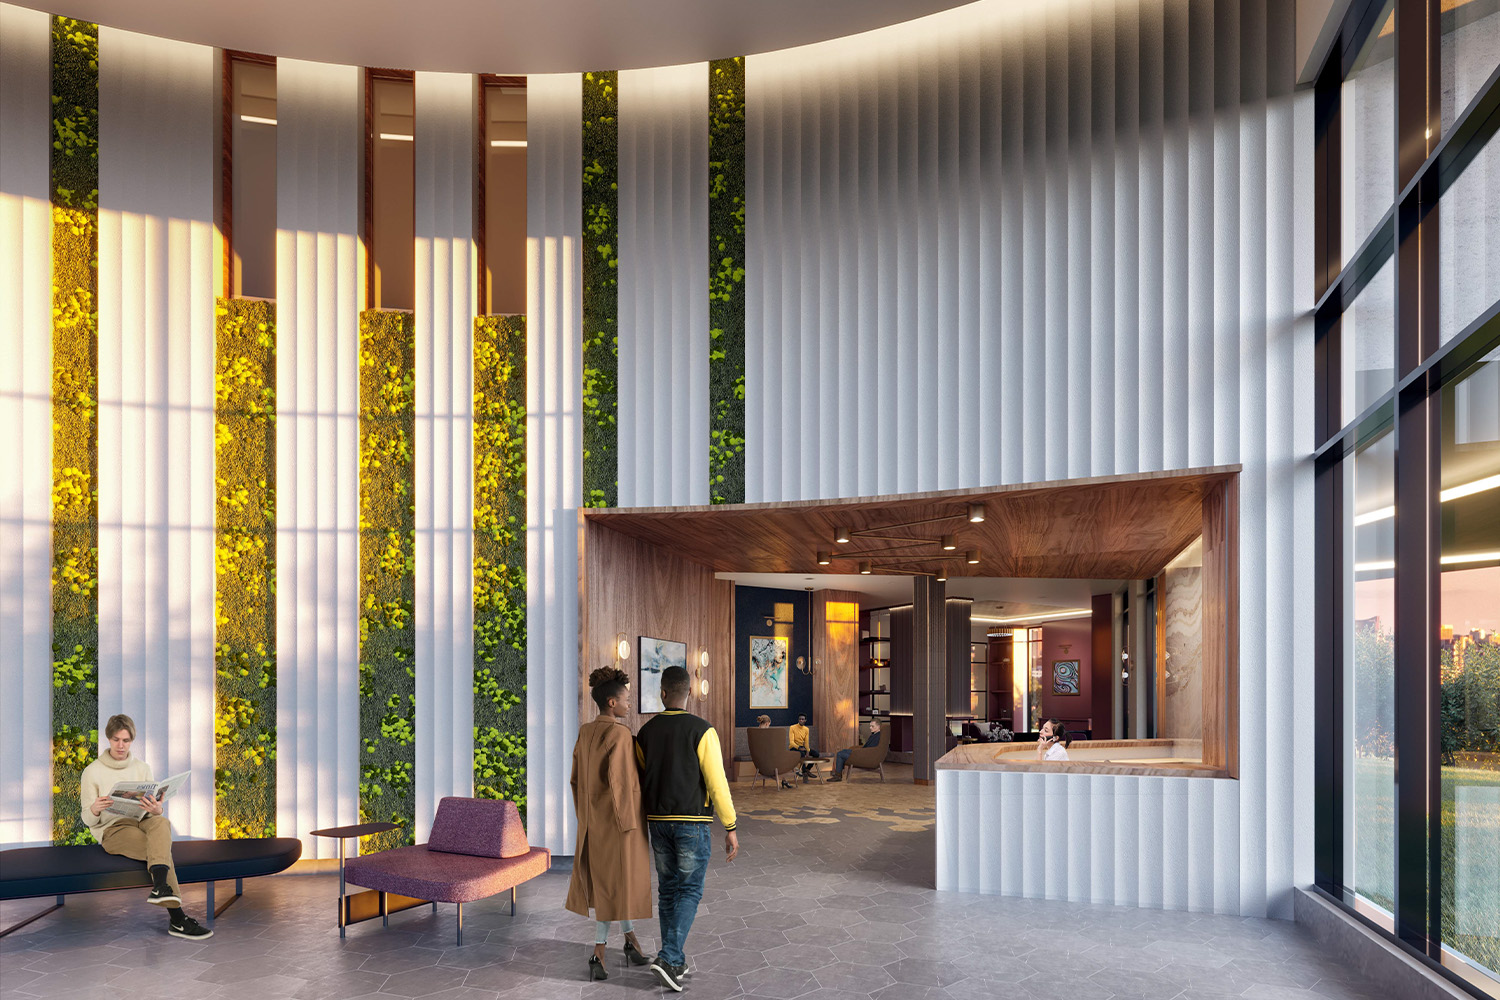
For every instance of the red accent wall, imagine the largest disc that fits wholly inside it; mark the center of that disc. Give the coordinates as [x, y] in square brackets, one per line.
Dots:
[1103, 682]
[1068, 640]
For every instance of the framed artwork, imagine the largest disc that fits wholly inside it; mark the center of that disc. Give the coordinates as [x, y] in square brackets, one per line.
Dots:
[768, 666]
[656, 656]
[1065, 677]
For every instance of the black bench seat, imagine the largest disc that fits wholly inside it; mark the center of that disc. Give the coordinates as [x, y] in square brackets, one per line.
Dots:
[28, 872]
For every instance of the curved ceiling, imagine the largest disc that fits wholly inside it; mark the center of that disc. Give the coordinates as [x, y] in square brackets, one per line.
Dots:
[500, 36]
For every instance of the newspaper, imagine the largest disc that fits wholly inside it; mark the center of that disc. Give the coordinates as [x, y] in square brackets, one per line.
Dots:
[126, 795]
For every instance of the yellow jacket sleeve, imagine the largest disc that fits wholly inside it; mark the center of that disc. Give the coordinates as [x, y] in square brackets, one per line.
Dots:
[711, 762]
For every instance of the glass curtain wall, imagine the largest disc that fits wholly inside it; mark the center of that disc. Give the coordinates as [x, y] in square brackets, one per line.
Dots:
[1407, 273]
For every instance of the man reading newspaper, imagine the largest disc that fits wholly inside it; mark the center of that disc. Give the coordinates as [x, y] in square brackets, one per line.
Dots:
[131, 825]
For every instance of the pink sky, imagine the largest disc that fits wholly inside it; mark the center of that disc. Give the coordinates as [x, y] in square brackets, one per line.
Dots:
[1470, 599]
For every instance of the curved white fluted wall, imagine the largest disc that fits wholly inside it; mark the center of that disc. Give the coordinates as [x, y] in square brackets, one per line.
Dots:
[993, 247]
[554, 449]
[25, 427]
[319, 289]
[444, 447]
[156, 406]
[663, 274]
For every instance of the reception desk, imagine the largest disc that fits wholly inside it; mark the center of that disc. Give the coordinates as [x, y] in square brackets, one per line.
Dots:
[1122, 822]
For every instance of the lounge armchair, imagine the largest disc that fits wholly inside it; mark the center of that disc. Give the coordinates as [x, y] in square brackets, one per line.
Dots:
[771, 754]
[873, 758]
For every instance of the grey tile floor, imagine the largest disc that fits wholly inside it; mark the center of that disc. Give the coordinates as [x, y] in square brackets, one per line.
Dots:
[835, 908]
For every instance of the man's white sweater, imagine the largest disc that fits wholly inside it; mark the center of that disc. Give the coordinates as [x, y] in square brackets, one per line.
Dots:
[98, 779]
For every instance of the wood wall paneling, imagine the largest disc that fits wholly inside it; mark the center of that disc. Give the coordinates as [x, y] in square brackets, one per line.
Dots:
[1221, 627]
[636, 588]
[835, 653]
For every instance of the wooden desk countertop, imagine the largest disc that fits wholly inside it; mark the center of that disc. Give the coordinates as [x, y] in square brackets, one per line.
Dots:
[1168, 758]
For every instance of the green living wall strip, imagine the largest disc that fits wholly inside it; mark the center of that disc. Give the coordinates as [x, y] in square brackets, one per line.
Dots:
[601, 345]
[387, 576]
[726, 280]
[75, 419]
[245, 569]
[500, 558]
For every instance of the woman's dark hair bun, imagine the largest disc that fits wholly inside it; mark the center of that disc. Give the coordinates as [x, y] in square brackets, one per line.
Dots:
[606, 674]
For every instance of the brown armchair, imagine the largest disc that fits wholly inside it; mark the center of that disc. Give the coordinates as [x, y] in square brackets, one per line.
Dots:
[873, 758]
[771, 754]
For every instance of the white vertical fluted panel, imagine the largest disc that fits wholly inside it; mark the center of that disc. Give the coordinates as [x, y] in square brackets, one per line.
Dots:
[1127, 178]
[25, 427]
[554, 448]
[157, 161]
[319, 111]
[444, 456]
[663, 286]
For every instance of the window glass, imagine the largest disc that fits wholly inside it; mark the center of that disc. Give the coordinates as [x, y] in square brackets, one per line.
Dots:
[505, 199]
[1367, 107]
[1469, 243]
[1469, 658]
[392, 183]
[252, 150]
[1368, 338]
[1470, 51]
[1369, 671]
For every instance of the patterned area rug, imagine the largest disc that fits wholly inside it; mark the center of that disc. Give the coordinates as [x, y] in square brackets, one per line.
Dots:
[895, 803]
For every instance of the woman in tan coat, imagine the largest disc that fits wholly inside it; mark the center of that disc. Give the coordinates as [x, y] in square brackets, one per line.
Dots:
[612, 862]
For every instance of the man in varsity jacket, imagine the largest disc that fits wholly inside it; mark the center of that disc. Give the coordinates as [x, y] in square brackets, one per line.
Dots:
[683, 786]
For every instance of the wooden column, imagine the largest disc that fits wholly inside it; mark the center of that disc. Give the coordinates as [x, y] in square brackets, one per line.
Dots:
[835, 664]
[1221, 714]
[929, 677]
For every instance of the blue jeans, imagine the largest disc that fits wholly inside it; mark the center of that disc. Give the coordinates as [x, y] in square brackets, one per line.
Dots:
[682, 851]
[841, 759]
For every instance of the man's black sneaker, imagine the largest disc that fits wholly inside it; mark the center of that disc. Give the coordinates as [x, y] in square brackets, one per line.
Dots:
[161, 894]
[670, 975]
[189, 928]
[836, 777]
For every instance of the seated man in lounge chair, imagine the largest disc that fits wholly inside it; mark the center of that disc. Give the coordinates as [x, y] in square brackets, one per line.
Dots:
[841, 759]
[147, 839]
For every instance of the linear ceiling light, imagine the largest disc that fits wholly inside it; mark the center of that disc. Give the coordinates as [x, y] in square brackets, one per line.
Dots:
[1075, 613]
[1451, 493]
[398, 136]
[1459, 558]
[257, 120]
[508, 143]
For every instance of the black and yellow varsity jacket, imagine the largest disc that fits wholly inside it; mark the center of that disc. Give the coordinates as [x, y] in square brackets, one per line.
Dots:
[682, 770]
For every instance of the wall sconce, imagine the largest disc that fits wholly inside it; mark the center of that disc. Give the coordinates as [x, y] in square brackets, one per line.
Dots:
[972, 557]
[824, 558]
[622, 646]
[865, 569]
[702, 669]
[976, 513]
[841, 535]
[803, 666]
[948, 543]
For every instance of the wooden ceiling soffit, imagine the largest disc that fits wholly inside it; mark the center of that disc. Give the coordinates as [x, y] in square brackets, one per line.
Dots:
[1116, 528]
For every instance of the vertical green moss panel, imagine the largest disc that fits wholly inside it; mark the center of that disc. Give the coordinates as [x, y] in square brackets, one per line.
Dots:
[726, 280]
[500, 558]
[601, 228]
[387, 574]
[245, 569]
[75, 419]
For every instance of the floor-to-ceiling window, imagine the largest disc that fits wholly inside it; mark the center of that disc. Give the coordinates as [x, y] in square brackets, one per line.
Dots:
[1407, 271]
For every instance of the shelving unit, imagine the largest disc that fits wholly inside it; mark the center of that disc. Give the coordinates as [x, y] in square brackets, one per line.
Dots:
[875, 666]
[979, 680]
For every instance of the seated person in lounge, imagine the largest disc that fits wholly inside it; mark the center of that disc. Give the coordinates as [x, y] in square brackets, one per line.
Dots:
[841, 759]
[796, 738]
[1053, 741]
[762, 722]
[147, 839]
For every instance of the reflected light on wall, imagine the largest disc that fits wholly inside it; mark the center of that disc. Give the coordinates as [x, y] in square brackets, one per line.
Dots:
[1451, 493]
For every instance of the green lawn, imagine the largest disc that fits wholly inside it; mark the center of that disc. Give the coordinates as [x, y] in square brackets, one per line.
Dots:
[1374, 839]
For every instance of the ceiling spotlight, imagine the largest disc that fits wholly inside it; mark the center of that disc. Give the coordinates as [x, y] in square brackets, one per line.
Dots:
[972, 557]
[841, 535]
[824, 558]
[949, 544]
[976, 513]
[865, 569]
[942, 576]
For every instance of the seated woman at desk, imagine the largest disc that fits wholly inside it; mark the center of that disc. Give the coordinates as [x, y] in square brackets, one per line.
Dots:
[1053, 741]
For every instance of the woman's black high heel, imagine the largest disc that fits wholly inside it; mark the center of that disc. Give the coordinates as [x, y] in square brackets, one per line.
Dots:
[596, 968]
[632, 953]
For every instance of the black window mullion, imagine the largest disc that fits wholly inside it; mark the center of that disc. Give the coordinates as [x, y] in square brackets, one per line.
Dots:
[1328, 686]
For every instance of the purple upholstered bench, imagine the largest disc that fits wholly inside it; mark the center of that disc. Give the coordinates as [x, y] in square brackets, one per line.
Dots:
[477, 848]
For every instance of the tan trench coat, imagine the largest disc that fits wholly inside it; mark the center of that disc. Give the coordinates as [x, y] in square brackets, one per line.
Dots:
[612, 863]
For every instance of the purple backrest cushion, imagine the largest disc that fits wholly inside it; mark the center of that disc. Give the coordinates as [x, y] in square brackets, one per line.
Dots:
[488, 828]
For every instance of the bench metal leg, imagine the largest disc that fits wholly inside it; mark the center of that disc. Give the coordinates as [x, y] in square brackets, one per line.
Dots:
[460, 923]
[35, 916]
[385, 913]
[512, 900]
[213, 911]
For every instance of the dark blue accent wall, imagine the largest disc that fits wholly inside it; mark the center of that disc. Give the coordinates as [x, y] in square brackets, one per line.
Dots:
[752, 606]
